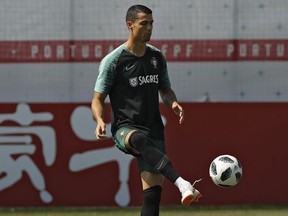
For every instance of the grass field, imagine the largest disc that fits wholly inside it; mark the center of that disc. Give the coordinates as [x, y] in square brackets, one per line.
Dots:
[165, 211]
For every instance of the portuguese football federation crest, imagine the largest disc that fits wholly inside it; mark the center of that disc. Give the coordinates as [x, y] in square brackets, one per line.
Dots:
[154, 62]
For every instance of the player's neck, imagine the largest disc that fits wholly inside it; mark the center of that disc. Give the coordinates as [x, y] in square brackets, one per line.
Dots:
[136, 48]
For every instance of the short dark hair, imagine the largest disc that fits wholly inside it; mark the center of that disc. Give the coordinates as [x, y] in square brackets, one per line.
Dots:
[134, 9]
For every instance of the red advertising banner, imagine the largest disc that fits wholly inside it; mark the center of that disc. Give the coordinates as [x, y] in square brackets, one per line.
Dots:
[174, 50]
[49, 155]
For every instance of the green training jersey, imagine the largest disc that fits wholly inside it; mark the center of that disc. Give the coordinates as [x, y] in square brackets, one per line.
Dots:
[132, 84]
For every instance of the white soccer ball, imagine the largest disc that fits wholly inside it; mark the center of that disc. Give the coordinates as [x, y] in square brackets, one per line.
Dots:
[225, 171]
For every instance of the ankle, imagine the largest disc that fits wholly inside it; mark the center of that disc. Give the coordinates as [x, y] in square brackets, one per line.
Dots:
[182, 184]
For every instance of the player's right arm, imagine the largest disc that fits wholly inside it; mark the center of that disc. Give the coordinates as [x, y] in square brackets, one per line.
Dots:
[103, 85]
[98, 111]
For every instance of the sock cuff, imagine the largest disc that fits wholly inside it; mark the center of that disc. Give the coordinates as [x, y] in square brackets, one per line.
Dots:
[156, 188]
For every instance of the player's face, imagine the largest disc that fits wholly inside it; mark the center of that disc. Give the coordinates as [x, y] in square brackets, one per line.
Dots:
[142, 27]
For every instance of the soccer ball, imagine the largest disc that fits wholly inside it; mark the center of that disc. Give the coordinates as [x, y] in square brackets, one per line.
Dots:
[225, 171]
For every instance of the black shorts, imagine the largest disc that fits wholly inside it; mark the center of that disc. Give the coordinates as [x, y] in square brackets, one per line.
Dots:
[119, 140]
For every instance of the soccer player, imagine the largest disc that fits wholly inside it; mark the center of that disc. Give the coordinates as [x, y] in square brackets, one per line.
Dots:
[133, 75]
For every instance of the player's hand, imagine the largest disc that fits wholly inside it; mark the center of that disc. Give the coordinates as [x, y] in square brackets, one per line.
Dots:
[101, 131]
[179, 111]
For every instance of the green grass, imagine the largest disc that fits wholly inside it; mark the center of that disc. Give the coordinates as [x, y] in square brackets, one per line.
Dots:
[165, 211]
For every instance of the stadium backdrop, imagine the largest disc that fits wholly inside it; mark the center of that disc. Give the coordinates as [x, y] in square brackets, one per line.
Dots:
[227, 62]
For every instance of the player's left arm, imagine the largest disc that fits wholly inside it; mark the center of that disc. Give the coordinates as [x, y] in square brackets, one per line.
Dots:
[169, 98]
[166, 92]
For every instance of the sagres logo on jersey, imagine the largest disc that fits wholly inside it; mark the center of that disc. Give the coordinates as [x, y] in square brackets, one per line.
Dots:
[133, 81]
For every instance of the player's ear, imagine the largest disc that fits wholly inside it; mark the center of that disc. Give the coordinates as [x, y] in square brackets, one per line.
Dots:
[129, 24]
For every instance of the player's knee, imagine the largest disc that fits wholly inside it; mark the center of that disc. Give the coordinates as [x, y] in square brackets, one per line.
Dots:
[139, 141]
[151, 179]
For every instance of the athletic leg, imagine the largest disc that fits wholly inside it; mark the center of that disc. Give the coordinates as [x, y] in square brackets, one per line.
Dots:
[152, 188]
[160, 162]
[135, 142]
[157, 159]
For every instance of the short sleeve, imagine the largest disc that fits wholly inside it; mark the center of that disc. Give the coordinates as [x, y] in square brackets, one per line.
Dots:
[107, 71]
[106, 74]
[164, 78]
